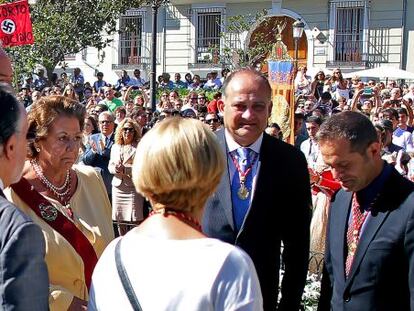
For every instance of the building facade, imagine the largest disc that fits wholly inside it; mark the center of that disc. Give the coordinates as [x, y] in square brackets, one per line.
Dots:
[351, 34]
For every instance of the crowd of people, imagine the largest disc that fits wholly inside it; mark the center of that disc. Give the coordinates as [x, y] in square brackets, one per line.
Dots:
[199, 205]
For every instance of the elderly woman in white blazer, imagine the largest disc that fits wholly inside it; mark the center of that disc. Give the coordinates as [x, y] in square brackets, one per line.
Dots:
[127, 204]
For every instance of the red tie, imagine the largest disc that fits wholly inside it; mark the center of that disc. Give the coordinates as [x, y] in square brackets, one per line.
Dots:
[354, 229]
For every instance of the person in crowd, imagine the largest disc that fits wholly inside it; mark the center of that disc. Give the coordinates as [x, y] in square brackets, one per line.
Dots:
[68, 202]
[310, 147]
[241, 214]
[120, 114]
[70, 92]
[224, 74]
[87, 94]
[213, 82]
[26, 96]
[177, 187]
[189, 113]
[201, 105]
[141, 117]
[302, 82]
[400, 137]
[123, 81]
[188, 78]
[298, 129]
[24, 283]
[90, 127]
[213, 121]
[78, 82]
[136, 80]
[166, 83]
[404, 119]
[127, 204]
[370, 234]
[40, 81]
[110, 100]
[178, 84]
[338, 85]
[318, 84]
[99, 83]
[274, 130]
[99, 151]
[212, 106]
[410, 93]
[196, 85]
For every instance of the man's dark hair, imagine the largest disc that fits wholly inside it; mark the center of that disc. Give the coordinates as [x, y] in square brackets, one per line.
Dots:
[326, 96]
[314, 119]
[233, 74]
[9, 114]
[402, 111]
[391, 112]
[275, 125]
[352, 126]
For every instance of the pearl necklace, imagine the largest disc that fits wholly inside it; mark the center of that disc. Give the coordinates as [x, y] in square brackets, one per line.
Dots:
[61, 191]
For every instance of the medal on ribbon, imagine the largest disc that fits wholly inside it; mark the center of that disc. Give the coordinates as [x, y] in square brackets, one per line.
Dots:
[244, 192]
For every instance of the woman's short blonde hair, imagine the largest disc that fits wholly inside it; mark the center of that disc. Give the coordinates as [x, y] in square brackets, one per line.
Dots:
[178, 164]
[119, 139]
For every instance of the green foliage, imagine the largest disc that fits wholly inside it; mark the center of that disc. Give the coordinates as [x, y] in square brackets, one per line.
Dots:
[64, 27]
[235, 53]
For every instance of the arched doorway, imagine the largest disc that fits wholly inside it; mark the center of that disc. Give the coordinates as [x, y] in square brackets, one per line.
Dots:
[263, 32]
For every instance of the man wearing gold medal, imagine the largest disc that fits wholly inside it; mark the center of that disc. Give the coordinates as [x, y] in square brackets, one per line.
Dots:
[263, 198]
[369, 256]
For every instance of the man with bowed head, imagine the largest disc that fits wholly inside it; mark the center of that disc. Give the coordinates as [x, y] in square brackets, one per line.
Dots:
[263, 198]
[369, 257]
[24, 283]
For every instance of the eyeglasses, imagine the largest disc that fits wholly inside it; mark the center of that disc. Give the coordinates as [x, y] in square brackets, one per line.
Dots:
[128, 129]
[105, 122]
[211, 121]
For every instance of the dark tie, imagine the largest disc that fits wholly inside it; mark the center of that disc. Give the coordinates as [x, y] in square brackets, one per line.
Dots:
[353, 233]
[241, 192]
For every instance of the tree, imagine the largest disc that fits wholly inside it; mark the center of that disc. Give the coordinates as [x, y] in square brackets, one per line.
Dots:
[235, 52]
[64, 27]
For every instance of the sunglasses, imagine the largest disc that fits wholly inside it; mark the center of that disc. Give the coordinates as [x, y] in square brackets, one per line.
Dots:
[201, 98]
[128, 129]
[194, 98]
[211, 121]
[105, 122]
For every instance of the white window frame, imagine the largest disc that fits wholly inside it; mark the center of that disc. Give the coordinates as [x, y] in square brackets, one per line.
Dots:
[333, 5]
[204, 8]
[142, 51]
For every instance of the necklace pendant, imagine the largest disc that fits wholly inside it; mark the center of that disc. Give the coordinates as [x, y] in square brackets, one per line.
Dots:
[243, 192]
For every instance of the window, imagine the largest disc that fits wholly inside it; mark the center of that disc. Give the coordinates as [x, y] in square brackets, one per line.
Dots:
[131, 37]
[208, 24]
[349, 21]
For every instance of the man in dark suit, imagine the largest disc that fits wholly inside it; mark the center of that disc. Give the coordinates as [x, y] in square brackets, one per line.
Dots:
[98, 152]
[263, 198]
[24, 283]
[369, 258]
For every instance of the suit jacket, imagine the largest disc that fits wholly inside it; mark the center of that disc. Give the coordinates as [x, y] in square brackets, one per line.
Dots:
[280, 211]
[127, 159]
[100, 159]
[24, 283]
[382, 274]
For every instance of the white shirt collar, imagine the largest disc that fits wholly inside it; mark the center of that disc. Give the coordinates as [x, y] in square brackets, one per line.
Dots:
[233, 145]
[1, 185]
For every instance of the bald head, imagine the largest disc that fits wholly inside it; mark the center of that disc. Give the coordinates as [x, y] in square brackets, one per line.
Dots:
[250, 73]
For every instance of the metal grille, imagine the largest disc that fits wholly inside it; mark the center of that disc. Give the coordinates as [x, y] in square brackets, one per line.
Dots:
[349, 31]
[131, 38]
[209, 25]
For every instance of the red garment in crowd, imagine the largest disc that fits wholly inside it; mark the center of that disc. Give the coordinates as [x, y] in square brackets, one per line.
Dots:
[212, 106]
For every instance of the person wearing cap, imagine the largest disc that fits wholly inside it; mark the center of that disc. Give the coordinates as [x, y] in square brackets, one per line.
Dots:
[189, 113]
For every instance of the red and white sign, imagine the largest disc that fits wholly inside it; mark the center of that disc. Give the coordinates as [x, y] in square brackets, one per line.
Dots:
[15, 24]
